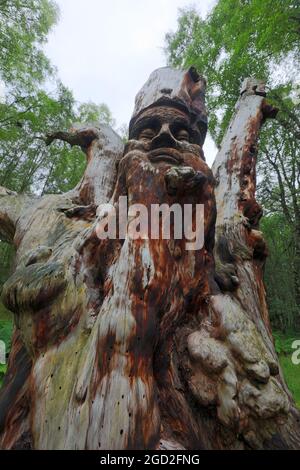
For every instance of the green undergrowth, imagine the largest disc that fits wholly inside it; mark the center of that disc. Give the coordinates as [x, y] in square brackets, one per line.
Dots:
[6, 328]
[283, 346]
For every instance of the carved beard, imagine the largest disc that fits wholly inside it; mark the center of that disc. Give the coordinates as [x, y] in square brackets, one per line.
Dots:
[168, 175]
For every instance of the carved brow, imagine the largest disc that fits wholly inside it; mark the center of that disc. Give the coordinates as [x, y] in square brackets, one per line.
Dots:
[147, 121]
[182, 122]
[144, 123]
[155, 122]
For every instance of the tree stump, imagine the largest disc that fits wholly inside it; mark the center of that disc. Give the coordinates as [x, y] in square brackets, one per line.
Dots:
[141, 343]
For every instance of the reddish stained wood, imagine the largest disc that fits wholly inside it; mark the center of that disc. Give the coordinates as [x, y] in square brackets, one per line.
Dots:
[145, 348]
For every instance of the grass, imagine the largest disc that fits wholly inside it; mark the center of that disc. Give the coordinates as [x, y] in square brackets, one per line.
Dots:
[6, 327]
[292, 376]
[2, 373]
[291, 372]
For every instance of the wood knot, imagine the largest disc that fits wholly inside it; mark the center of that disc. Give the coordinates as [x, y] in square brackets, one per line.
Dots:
[177, 252]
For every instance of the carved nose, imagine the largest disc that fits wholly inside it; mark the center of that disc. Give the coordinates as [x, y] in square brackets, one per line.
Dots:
[164, 138]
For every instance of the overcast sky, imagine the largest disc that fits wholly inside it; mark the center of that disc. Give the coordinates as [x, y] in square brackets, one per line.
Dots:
[105, 50]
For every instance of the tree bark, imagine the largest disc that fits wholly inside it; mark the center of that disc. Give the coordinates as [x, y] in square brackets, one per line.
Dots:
[140, 343]
[240, 249]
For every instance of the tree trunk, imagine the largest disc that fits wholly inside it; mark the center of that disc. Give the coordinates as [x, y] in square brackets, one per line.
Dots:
[240, 250]
[140, 343]
[297, 263]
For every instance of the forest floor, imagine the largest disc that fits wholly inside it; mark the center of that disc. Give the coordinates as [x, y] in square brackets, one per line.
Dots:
[283, 344]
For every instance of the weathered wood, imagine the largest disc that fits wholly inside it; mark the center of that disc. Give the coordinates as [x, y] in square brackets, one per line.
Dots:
[141, 343]
[47, 293]
[11, 205]
[240, 249]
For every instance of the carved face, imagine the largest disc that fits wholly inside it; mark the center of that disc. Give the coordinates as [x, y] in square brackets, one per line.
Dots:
[167, 136]
[164, 163]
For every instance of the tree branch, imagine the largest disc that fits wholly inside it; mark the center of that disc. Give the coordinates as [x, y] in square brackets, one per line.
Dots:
[281, 187]
[82, 137]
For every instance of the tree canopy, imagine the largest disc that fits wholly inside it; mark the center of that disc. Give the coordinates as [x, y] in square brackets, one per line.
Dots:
[238, 39]
[35, 102]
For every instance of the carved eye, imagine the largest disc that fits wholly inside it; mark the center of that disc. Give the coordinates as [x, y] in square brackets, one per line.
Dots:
[182, 135]
[146, 134]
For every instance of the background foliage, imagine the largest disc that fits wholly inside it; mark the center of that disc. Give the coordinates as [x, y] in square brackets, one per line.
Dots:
[33, 101]
[242, 38]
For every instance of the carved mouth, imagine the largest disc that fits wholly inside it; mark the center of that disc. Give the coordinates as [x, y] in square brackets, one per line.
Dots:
[165, 155]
